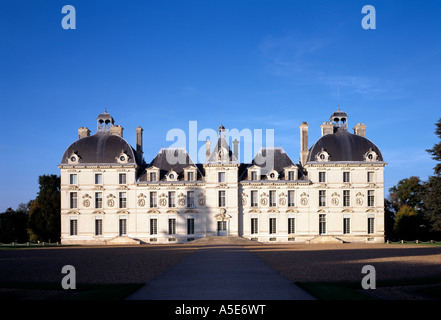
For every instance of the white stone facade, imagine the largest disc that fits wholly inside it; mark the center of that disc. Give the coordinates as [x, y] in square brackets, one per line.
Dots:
[117, 198]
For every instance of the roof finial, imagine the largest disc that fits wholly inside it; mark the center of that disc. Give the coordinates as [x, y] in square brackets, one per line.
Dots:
[105, 109]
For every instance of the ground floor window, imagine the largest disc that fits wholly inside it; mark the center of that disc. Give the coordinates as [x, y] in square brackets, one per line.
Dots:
[272, 226]
[322, 224]
[171, 226]
[153, 226]
[371, 225]
[291, 225]
[346, 225]
[98, 227]
[254, 226]
[73, 227]
[122, 227]
[190, 226]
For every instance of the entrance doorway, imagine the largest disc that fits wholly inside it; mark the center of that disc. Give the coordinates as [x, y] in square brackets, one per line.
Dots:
[222, 228]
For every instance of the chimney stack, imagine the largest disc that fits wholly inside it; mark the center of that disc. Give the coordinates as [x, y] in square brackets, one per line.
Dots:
[83, 132]
[207, 150]
[327, 128]
[139, 150]
[360, 129]
[236, 149]
[303, 143]
[117, 130]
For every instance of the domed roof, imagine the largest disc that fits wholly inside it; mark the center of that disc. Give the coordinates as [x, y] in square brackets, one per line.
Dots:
[102, 147]
[344, 146]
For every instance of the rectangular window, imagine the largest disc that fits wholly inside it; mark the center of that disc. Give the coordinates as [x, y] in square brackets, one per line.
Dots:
[122, 178]
[346, 225]
[254, 200]
[322, 198]
[221, 199]
[254, 226]
[370, 176]
[98, 200]
[73, 227]
[272, 198]
[322, 224]
[371, 198]
[190, 176]
[98, 227]
[171, 199]
[190, 226]
[290, 175]
[122, 227]
[253, 175]
[221, 176]
[322, 176]
[291, 202]
[73, 200]
[172, 226]
[73, 178]
[153, 196]
[98, 178]
[346, 177]
[190, 199]
[272, 225]
[123, 200]
[371, 224]
[152, 176]
[291, 225]
[346, 198]
[153, 226]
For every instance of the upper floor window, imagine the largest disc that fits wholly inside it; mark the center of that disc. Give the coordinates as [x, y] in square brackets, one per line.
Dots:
[190, 199]
[73, 178]
[370, 176]
[272, 198]
[346, 176]
[291, 202]
[254, 200]
[122, 178]
[171, 199]
[73, 200]
[322, 198]
[221, 198]
[153, 199]
[98, 178]
[221, 176]
[322, 176]
[123, 200]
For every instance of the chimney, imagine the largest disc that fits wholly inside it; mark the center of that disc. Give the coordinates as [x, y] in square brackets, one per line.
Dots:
[327, 128]
[303, 143]
[83, 132]
[207, 150]
[360, 129]
[117, 130]
[139, 131]
[236, 149]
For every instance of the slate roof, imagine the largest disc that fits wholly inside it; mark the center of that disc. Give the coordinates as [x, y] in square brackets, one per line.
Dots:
[171, 158]
[101, 148]
[343, 146]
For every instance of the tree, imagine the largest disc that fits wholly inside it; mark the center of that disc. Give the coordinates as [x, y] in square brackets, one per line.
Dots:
[409, 191]
[13, 225]
[44, 211]
[436, 150]
[407, 223]
[432, 199]
[389, 219]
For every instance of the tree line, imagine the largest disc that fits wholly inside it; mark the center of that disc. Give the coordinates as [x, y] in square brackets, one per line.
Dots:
[412, 209]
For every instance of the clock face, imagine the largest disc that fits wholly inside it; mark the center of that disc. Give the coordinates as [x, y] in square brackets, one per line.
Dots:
[171, 176]
[73, 159]
[122, 158]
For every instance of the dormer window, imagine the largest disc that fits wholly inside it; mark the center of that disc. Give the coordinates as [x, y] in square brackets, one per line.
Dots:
[73, 158]
[254, 175]
[291, 173]
[172, 176]
[152, 174]
[272, 175]
[322, 156]
[190, 174]
[122, 158]
[371, 155]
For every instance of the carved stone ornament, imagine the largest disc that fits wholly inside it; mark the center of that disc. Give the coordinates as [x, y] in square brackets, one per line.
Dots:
[162, 202]
[244, 202]
[110, 201]
[181, 202]
[282, 201]
[304, 201]
[359, 201]
[141, 202]
[201, 202]
[334, 201]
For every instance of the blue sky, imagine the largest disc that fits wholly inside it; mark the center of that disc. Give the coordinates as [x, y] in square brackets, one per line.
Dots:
[266, 64]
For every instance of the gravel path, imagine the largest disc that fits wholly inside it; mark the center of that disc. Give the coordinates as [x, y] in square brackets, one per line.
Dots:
[297, 262]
